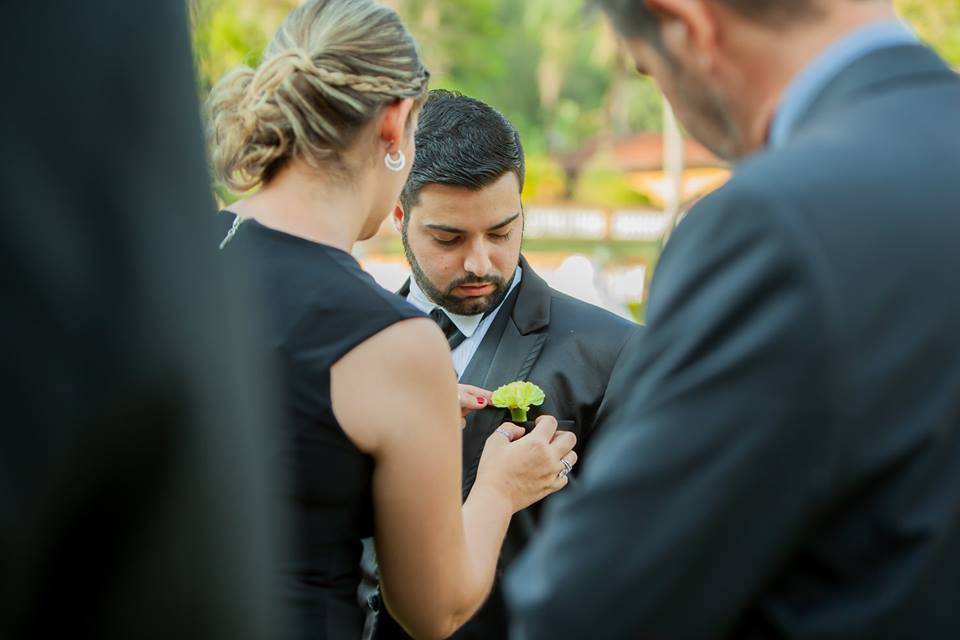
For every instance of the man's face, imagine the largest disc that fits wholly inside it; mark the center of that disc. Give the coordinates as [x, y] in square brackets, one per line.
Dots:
[464, 245]
[698, 104]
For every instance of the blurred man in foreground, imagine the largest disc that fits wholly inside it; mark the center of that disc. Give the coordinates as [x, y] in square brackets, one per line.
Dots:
[787, 460]
[134, 474]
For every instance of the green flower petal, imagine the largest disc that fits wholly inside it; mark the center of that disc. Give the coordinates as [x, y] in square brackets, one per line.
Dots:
[518, 395]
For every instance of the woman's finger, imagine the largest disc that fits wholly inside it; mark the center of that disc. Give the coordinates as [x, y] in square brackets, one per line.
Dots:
[509, 431]
[545, 428]
[477, 392]
[563, 441]
[472, 398]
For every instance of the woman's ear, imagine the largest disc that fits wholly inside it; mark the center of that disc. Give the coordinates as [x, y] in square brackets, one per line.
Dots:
[394, 123]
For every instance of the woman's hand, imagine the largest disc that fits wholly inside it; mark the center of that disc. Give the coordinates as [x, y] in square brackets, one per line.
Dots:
[523, 469]
[471, 399]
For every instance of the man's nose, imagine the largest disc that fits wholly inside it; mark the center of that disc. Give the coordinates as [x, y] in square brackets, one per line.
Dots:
[477, 261]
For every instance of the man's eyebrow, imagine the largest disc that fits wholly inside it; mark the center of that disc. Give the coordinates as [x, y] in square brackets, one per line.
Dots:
[505, 222]
[448, 229]
[444, 227]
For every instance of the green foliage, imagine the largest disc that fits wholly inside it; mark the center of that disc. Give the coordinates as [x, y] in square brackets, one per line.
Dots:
[937, 22]
[552, 68]
[545, 65]
[638, 310]
[227, 33]
[545, 181]
[602, 185]
[646, 113]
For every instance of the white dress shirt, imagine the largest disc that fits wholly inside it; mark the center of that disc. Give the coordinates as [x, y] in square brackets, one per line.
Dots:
[474, 327]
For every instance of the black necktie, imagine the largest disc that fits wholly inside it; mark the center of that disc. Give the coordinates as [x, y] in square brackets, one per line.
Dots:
[450, 330]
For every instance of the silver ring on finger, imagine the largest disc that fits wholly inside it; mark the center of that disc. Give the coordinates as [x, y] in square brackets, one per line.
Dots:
[567, 468]
[504, 433]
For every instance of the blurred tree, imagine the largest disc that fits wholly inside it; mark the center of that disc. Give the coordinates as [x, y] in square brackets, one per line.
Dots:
[554, 69]
[230, 32]
[536, 61]
[937, 22]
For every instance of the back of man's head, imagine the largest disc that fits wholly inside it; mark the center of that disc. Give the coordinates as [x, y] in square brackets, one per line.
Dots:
[724, 64]
[634, 18]
[462, 142]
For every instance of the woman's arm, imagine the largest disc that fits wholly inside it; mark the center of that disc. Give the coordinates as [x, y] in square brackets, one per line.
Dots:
[396, 397]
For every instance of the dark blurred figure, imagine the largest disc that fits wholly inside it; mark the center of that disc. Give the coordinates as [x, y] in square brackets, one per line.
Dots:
[785, 460]
[132, 458]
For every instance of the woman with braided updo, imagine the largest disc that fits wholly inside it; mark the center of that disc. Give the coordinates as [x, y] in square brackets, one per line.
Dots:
[323, 130]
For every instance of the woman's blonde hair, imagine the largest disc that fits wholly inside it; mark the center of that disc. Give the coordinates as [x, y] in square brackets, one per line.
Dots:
[329, 70]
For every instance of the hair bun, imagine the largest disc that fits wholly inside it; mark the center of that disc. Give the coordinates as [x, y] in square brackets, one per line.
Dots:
[311, 105]
[246, 135]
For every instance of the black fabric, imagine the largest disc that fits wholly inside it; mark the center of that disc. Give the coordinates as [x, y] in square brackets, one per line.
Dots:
[568, 348]
[386, 626]
[782, 455]
[450, 330]
[137, 498]
[322, 305]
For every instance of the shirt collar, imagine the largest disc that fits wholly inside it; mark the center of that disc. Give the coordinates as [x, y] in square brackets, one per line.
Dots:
[808, 84]
[467, 324]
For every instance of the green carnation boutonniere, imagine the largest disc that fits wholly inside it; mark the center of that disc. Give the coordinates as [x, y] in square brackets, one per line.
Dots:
[518, 397]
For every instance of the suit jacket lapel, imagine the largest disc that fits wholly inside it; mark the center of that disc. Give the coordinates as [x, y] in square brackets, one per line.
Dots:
[404, 291]
[516, 351]
[514, 359]
[519, 347]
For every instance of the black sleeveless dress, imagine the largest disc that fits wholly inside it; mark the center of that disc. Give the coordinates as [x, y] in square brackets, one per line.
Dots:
[320, 305]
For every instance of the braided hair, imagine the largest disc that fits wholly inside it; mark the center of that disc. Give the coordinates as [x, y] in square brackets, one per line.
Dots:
[328, 71]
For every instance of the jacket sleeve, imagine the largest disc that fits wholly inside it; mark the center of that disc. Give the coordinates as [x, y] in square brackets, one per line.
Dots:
[716, 442]
[617, 382]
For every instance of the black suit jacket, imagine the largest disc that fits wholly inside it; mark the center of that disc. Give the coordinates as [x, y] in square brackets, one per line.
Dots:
[136, 498]
[568, 348]
[785, 461]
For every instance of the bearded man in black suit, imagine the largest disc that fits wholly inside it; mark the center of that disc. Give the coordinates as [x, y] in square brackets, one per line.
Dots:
[461, 220]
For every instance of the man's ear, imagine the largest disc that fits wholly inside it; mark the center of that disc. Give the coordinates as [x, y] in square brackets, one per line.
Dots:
[688, 30]
[397, 217]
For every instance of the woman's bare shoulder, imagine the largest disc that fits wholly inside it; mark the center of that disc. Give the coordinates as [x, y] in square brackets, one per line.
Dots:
[397, 372]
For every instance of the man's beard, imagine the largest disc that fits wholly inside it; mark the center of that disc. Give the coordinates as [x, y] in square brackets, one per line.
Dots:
[715, 128]
[446, 299]
[708, 119]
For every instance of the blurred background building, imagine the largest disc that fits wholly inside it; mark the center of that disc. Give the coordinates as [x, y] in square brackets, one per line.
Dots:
[608, 168]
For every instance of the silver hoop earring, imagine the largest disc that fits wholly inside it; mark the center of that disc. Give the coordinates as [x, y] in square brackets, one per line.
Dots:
[395, 164]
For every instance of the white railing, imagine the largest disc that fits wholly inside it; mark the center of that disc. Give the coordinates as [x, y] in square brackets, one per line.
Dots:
[572, 223]
[595, 224]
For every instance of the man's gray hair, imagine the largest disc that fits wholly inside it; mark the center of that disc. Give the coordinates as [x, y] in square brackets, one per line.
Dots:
[632, 18]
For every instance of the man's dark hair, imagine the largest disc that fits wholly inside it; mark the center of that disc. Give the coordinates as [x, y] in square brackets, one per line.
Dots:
[461, 142]
[632, 18]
